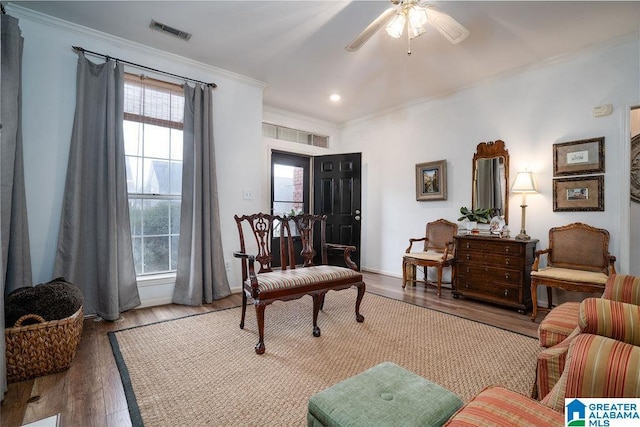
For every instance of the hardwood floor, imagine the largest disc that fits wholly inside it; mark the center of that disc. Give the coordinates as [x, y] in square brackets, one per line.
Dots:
[90, 392]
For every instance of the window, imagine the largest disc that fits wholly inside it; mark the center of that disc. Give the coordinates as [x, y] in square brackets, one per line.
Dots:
[153, 120]
[289, 183]
[294, 135]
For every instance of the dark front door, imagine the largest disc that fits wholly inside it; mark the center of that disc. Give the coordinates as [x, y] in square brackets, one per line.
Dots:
[337, 194]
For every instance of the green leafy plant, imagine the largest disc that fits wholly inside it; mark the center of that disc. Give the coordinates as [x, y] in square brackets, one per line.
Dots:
[479, 215]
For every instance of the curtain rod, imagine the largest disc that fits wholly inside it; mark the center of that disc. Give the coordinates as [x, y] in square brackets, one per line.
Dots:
[108, 57]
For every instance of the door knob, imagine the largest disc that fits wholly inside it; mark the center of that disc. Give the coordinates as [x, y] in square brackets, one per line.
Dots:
[357, 218]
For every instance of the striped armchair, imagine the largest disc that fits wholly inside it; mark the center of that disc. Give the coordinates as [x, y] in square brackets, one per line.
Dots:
[603, 362]
[563, 319]
[599, 316]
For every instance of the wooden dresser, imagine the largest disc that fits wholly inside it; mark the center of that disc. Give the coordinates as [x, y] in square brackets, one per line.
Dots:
[494, 270]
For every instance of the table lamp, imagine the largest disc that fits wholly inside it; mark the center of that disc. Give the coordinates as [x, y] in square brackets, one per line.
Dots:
[525, 183]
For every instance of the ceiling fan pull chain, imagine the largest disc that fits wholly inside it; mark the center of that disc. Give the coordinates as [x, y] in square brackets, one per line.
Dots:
[408, 40]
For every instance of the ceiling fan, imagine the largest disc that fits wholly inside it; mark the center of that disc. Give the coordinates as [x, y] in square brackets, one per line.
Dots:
[414, 15]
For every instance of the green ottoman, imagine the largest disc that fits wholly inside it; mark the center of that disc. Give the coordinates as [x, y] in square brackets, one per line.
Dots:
[385, 395]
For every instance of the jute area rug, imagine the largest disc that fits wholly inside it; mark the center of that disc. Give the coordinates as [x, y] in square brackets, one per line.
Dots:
[202, 370]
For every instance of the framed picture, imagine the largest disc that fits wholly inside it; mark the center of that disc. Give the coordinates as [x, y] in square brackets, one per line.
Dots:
[578, 157]
[431, 181]
[578, 194]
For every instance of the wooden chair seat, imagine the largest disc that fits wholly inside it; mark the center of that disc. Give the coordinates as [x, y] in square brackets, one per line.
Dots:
[570, 275]
[428, 256]
[304, 278]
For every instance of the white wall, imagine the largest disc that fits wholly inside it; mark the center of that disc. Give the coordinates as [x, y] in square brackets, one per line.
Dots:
[49, 72]
[530, 111]
[634, 215]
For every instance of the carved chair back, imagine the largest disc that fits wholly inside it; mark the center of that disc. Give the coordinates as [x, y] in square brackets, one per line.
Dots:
[579, 246]
[439, 234]
[262, 228]
[311, 228]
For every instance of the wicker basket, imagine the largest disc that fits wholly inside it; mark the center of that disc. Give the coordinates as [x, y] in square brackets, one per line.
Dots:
[43, 348]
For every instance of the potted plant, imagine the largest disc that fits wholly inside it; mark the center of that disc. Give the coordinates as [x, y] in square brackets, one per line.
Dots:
[475, 216]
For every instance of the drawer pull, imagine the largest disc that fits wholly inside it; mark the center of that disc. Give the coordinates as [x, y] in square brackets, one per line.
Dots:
[468, 270]
[506, 276]
[468, 257]
[506, 249]
[506, 261]
[466, 285]
[506, 293]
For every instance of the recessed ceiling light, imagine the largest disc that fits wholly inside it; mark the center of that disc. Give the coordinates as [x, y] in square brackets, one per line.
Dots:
[335, 97]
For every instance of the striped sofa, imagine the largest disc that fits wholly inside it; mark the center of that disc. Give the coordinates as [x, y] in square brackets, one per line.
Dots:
[568, 320]
[291, 279]
[603, 361]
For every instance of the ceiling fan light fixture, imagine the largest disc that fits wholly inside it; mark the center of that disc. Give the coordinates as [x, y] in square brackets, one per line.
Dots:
[396, 25]
[417, 16]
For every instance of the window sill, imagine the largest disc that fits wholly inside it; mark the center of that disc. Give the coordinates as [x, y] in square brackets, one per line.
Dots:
[156, 279]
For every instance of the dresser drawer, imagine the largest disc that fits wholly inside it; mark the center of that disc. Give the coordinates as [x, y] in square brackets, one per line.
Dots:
[490, 274]
[491, 258]
[469, 286]
[495, 246]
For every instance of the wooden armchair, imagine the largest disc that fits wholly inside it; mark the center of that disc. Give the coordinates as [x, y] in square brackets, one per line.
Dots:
[578, 260]
[289, 281]
[438, 251]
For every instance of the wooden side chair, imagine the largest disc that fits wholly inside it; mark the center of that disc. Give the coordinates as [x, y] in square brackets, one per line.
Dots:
[438, 251]
[578, 260]
[289, 281]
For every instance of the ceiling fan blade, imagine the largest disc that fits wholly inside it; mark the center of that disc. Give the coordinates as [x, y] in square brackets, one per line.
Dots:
[446, 25]
[371, 29]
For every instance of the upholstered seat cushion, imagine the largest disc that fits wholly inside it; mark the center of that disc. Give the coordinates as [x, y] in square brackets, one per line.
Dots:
[281, 279]
[385, 395]
[427, 256]
[498, 406]
[558, 324]
[570, 275]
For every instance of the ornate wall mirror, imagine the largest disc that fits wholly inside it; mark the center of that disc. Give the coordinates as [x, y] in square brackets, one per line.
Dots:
[490, 186]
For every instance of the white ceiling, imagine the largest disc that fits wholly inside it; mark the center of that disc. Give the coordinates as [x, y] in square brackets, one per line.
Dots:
[297, 47]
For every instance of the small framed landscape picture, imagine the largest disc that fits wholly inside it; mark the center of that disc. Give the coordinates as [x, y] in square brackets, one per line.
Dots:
[578, 157]
[578, 194]
[431, 181]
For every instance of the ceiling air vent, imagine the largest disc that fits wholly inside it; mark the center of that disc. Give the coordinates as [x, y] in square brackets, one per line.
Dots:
[169, 30]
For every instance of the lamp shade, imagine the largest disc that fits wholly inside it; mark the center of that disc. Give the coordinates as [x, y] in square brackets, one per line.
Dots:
[396, 26]
[525, 183]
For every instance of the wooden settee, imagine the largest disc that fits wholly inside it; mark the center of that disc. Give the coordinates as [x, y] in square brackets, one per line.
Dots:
[290, 280]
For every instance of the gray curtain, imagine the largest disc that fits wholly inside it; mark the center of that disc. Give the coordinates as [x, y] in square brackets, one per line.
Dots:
[15, 230]
[14, 238]
[94, 244]
[201, 275]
